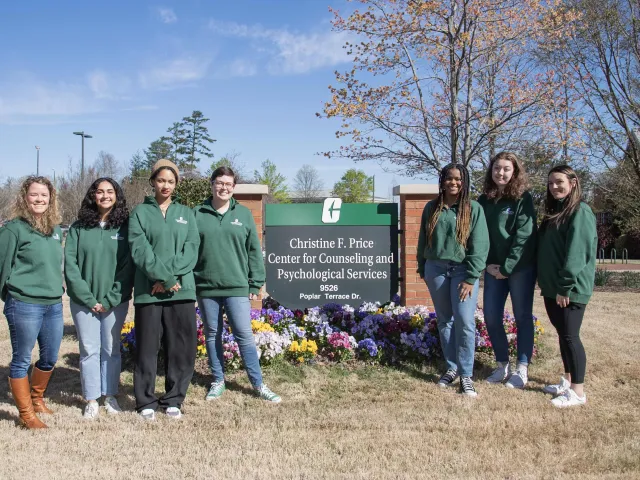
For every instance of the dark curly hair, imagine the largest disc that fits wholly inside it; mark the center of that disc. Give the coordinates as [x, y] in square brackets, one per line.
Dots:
[88, 215]
[516, 186]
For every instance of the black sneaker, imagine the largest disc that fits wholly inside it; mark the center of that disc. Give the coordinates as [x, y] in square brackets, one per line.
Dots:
[447, 379]
[466, 387]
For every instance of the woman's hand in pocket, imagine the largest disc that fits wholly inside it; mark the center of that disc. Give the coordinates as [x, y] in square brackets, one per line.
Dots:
[465, 290]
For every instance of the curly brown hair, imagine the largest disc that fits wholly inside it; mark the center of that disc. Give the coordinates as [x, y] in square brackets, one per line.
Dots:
[51, 217]
[518, 184]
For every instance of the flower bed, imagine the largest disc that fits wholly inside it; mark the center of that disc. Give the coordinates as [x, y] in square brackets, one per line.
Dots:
[372, 332]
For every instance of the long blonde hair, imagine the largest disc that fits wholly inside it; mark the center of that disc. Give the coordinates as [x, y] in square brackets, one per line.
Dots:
[49, 219]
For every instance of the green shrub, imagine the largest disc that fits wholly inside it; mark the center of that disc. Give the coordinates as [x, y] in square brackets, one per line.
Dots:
[602, 277]
[193, 191]
[631, 279]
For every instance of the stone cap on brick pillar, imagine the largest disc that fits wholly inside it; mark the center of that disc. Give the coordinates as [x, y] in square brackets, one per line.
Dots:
[416, 189]
[251, 189]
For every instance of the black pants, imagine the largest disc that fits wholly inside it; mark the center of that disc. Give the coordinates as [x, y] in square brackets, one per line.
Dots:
[567, 322]
[173, 324]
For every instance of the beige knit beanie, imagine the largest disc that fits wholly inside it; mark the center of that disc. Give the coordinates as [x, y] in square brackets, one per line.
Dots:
[163, 162]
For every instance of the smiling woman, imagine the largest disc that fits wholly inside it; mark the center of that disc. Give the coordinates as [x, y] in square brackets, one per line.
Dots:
[31, 287]
[98, 271]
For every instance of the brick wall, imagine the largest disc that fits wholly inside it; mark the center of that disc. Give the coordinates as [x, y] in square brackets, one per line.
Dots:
[412, 287]
[255, 203]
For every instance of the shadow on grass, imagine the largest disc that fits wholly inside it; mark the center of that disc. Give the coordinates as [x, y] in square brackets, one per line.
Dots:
[63, 388]
[70, 331]
[418, 371]
[8, 416]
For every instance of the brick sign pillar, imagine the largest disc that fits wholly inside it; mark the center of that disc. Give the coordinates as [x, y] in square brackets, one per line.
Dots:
[413, 198]
[253, 197]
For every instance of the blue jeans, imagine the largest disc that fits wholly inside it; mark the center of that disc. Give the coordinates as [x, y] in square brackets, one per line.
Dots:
[29, 322]
[456, 319]
[99, 338]
[520, 285]
[238, 311]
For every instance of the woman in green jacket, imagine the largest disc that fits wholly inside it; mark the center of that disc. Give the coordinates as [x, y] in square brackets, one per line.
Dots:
[99, 273]
[229, 273]
[31, 288]
[511, 264]
[164, 245]
[452, 251]
[566, 272]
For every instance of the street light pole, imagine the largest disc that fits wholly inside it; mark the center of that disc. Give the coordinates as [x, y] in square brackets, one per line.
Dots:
[37, 161]
[83, 135]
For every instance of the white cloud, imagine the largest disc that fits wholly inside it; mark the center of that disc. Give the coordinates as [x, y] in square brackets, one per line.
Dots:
[140, 108]
[26, 97]
[174, 73]
[242, 68]
[289, 53]
[107, 86]
[167, 15]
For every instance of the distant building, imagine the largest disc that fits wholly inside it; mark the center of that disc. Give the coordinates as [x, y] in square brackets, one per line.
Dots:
[298, 197]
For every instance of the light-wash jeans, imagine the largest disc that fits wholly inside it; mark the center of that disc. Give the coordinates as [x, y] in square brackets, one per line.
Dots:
[99, 337]
[456, 319]
[520, 285]
[29, 322]
[238, 311]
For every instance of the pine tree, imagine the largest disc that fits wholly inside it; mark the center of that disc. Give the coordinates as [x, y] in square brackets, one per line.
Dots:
[197, 138]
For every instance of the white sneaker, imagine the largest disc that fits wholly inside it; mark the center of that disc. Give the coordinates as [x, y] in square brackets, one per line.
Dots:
[569, 399]
[500, 373]
[519, 378]
[559, 388]
[173, 412]
[91, 410]
[111, 405]
[148, 414]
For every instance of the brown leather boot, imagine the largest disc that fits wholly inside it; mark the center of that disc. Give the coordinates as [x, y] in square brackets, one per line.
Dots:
[39, 382]
[22, 397]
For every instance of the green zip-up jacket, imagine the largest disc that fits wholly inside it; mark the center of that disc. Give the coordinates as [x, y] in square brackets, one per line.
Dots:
[567, 257]
[30, 264]
[97, 266]
[230, 262]
[512, 232]
[163, 249]
[444, 243]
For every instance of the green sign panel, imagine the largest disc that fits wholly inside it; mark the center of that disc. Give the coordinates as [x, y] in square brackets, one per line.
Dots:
[331, 253]
[331, 212]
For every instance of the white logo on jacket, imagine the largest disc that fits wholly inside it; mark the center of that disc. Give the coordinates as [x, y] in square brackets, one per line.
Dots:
[236, 222]
[56, 236]
[508, 211]
[181, 220]
[117, 236]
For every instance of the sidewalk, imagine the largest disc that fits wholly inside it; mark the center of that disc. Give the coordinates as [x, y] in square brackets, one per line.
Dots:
[619, 267]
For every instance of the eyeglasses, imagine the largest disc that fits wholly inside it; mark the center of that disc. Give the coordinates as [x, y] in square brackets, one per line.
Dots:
[222, 184]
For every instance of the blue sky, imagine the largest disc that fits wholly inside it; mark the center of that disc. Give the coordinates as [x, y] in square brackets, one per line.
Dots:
[125, 71]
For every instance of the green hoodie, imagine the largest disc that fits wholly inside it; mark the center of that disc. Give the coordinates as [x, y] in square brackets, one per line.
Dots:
[512, 232]
[97, 266]
[446, 247]
[163, 249]
[567, 257]
[31, 264]
[230, 262]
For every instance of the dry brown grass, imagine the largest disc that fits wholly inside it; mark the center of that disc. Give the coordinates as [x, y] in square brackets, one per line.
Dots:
[367, 423]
